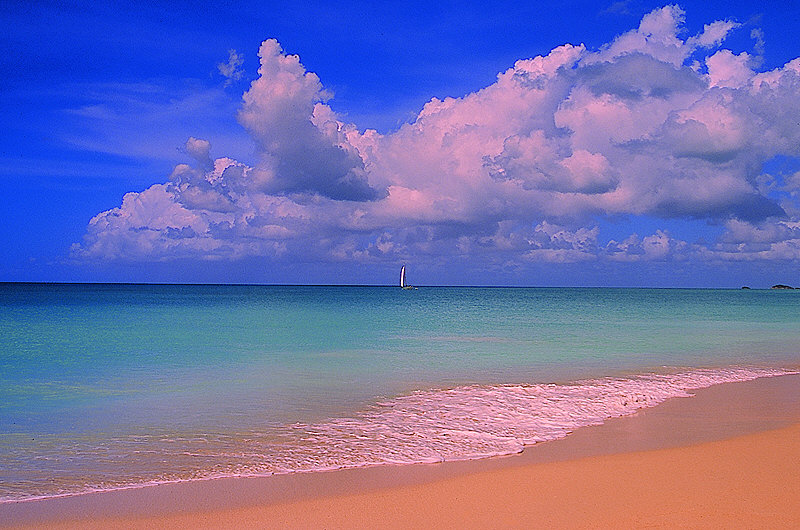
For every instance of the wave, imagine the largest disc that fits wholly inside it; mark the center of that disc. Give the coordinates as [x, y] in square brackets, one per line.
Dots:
[461, 423]
[479, 421]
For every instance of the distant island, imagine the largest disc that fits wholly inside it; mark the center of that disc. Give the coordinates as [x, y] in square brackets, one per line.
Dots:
[776, 286]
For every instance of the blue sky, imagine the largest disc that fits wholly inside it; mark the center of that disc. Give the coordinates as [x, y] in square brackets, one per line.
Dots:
[100, 100]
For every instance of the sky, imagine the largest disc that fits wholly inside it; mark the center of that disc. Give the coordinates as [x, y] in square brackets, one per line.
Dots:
[619, 143]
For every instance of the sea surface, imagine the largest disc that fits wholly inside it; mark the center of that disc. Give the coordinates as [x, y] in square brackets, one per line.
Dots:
[110, 386]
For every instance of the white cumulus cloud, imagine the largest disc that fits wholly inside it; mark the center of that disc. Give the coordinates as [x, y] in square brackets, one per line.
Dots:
[656, 124]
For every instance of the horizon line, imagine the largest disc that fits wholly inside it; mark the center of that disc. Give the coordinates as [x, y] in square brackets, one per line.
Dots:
[249, 284]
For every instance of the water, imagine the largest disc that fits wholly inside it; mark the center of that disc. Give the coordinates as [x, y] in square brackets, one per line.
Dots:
[106, 386]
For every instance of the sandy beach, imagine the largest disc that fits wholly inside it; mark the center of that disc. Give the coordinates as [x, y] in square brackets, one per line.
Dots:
[728, 457]
[395, 265]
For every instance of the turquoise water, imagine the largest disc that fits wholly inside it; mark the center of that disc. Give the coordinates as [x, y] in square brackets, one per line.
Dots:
[103, 386]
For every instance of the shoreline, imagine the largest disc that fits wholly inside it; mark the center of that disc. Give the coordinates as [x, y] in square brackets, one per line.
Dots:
[732, 412]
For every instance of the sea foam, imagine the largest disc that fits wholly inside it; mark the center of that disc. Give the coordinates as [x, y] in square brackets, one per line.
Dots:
[478, 421]
[461, 423]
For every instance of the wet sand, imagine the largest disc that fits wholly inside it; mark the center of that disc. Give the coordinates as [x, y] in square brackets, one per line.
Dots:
[728, 457]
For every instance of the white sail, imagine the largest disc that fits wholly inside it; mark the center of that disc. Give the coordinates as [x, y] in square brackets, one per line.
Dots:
[403, 276]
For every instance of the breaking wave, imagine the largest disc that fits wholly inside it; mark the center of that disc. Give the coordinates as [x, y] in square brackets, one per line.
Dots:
[461, 423]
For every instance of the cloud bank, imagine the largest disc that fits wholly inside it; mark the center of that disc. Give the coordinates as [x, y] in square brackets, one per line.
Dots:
[656, 124]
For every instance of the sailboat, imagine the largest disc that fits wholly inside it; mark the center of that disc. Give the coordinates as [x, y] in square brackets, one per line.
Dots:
[403, 279]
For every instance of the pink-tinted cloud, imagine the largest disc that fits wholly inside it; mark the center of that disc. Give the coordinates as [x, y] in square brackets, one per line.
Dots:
[232, 69]
[297, 134]
[655, 124]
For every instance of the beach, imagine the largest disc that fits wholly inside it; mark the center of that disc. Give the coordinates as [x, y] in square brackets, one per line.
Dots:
[727, 457]
[371, 266]
[375, 266]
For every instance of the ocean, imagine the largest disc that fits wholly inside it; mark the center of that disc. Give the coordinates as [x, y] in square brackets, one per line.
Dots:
[113, 386]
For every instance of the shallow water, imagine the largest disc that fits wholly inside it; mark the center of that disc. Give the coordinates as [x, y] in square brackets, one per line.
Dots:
[107, 385]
